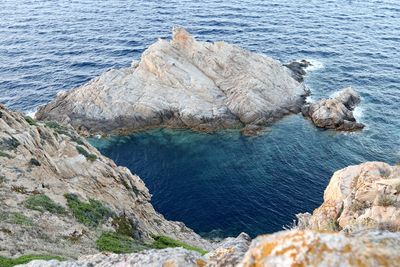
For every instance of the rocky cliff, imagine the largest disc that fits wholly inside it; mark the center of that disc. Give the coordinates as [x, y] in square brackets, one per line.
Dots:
[59, 195]
[182, 83]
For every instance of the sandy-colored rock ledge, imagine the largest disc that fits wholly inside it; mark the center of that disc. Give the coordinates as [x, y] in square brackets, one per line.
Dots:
[182, 83]
[335, 113]
[365, 196]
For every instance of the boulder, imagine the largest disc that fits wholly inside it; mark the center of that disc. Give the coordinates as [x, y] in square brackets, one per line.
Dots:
[335, 113]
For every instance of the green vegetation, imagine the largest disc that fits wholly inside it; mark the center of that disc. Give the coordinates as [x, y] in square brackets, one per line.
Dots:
[43, 203]
[357, 205]
[34, 162]
[5, 155]
[15, 143]
[161, 242]
[90, 213]
[332, 225]
[386, 201]
[7, 262]
[16, 218]
[53, 125]
[30, 120]
[117, 243]
[81, 150]
[123, 225]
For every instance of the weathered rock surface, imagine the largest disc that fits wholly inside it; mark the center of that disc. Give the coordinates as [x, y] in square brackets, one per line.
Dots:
[229, 252]
[310, 248]
[365, 196]
[335, 113]
[44, 159]
[170, 257]
[182, 83]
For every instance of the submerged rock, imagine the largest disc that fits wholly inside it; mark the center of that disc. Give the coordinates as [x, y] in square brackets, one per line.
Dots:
[182, 83]
[335, 113]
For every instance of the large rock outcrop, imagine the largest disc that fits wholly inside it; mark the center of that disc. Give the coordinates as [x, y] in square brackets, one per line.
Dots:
[39, 164]
[365, 196]
[182, 83]
[310, 248]
[335, 113]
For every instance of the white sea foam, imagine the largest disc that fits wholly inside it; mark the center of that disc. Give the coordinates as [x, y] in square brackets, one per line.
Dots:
[31, 113]
[315, 65]
[358, 113]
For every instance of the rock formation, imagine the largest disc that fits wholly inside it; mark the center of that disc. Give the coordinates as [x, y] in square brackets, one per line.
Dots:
[310, 248]
[41, 163]
[335, 113]
[298, 69]
[365, 196]
[182, 83]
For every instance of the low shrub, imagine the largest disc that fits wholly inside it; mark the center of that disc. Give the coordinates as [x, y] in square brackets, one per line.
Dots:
[161, 242]
[16, 218]
[53, 125]
[332, 225]
[43, 203]
[89, 156]
[90, 213]
[122, 225]
[30, 120]
[34, 162]
[117, 243]
[8, 262]
[386, 201]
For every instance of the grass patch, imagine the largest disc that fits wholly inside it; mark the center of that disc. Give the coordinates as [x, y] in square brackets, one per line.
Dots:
[5, 155]
[89, 156]
[34, 162]
[90, 213]
[7, 262]
[16, 218]
[161, 242]
[53, 125]
[123, 225]
[117, 243]
[43, 203]
[30, 120]
[386, 201]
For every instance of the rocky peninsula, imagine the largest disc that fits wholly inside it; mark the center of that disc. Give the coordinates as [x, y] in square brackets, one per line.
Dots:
[182, 83]
[60, 196]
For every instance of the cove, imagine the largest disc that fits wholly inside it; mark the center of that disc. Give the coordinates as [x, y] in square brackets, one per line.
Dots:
[223, 183]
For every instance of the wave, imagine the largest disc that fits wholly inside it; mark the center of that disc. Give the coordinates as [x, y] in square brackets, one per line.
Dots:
[31, 113]
[315, 65]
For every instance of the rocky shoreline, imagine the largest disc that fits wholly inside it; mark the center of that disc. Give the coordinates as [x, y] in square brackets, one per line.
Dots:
[49, 173]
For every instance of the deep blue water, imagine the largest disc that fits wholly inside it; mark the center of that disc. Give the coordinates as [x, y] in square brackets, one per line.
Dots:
[223, 182]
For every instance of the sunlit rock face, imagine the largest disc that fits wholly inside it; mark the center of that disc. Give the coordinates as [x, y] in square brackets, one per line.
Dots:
[182, 83]
[310, 248]
[335, 113]
[364, 196]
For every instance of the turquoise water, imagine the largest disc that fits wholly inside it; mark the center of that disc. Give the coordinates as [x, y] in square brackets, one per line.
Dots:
[220, 184]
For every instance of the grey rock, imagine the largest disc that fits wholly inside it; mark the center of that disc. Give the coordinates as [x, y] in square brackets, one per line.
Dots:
[335, 113]
[182, 83]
